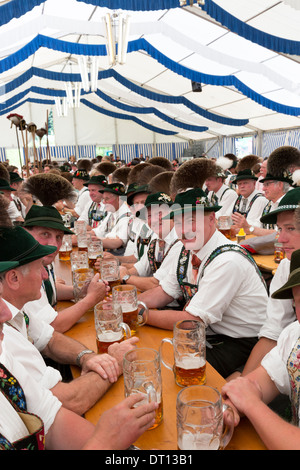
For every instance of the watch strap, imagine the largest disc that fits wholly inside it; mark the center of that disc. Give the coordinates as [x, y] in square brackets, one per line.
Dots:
[81, 354]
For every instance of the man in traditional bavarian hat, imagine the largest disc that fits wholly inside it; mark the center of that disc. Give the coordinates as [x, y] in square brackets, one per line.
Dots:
[16, 183]
[46, 225]
[280, 313]
[277, 373]
[7, 190]
[113, 229]
[220, 193]
[94, 212]
[28, 338]
[219, 281]
[250, 203]
[80, 177]
[163, 246]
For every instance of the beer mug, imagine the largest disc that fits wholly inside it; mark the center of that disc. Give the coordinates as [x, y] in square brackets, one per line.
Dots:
[126, 296]
[203, 421]
[95, 250]
[79, 260]
[142, 374]
[80, 227]
[81, 280]
[82, 242]
[66, 248]
[278, 252]
[109, 325]
[224, 225]
[189, 347]
[110, 272]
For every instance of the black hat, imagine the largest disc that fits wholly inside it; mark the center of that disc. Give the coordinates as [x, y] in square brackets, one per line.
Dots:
[81, 175]
[284, 177]
[97, 179]
[45, 216]
[4, 185]
[191, 200]
[114, 188]
[289, 202]
[244, 175]
[134, 189]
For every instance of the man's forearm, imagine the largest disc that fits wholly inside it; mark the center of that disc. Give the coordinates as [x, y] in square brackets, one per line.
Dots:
[155, 298]
[63, 349]
[143, 283]
[82, 393]
[165, 319]
[68, 317]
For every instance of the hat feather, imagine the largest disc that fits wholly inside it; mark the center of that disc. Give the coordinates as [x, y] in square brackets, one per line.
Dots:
[296, 178]
[4, 173]
[5, 220]
[49, 188]
[247, 162]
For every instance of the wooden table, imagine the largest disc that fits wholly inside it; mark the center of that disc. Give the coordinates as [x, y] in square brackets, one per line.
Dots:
[164, 437]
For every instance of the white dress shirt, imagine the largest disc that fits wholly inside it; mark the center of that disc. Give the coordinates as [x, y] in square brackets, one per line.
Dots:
[255, 213]
[143, 266]
[136, 228]
[231, 297]
[280, 312]
[226, 199]
[39, 400]
[83, 200]
[275, 362]
[115, 224]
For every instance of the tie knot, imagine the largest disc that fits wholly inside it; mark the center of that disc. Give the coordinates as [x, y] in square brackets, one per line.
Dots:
[161, 244]
[195, 262]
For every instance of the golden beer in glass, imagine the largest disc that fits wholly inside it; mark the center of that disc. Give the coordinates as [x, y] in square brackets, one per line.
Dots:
[126, 296]
[109, 325]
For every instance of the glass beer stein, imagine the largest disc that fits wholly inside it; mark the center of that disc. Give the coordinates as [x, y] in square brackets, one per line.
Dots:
[142, 374]
[110, 272]
[95, 251]
[203, 421]
[81, 280]
[109, 325]
[189, 348]
[126, 296]
[224, 225]
[79, 259]
[66, 248]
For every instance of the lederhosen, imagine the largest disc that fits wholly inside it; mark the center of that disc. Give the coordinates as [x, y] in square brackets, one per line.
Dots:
[294, 376]
[95, 215]
[12, 390]
[236, 207]
[155, 264]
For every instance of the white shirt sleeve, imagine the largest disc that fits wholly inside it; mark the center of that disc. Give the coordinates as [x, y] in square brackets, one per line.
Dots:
[39, 400]
[280, 312]
[255, 213]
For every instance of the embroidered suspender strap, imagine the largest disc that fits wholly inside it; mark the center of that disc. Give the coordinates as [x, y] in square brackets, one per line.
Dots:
[154, 264]
[266, 211]
[234, 248]
[237, 203]
[294, 376]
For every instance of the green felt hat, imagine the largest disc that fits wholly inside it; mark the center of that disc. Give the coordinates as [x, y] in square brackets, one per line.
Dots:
[114, 188]
[15, 177]
[133, 189]
[97, 179]
[191, 200]
[7, 265]
[17, 245]
[244, 175]
[45, 216]
[286, 292]
[289, 202]
[81, 175]
[4, 185]
[285, 177]
[155, 199]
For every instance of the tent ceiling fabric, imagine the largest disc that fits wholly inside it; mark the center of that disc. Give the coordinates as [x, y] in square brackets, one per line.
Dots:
[245, 54]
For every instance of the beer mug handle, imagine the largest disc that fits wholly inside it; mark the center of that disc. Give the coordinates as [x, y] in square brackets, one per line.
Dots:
[126, 330]
[144, 317]
[165, 340]
[228, 427]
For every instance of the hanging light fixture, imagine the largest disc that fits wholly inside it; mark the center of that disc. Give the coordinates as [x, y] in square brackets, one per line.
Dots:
[117, 33]
[183, 3]
[73, 92]
[88, 67]
[61, 107]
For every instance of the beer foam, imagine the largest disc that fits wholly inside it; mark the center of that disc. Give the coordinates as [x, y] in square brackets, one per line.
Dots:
[191, 361]
[109, 336]
[127, 307]
[198, 441]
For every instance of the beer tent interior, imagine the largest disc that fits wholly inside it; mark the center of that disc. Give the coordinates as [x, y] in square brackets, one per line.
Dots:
[243, 57]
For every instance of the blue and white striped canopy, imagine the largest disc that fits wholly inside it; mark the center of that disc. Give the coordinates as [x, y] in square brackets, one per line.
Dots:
[244, 53]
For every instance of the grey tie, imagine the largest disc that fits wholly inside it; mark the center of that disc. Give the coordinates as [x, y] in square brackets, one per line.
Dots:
[244, 205]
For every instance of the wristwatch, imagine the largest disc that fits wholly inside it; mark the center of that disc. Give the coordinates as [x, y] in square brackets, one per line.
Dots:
[251, 229]
[81, 354]
[125, 278]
